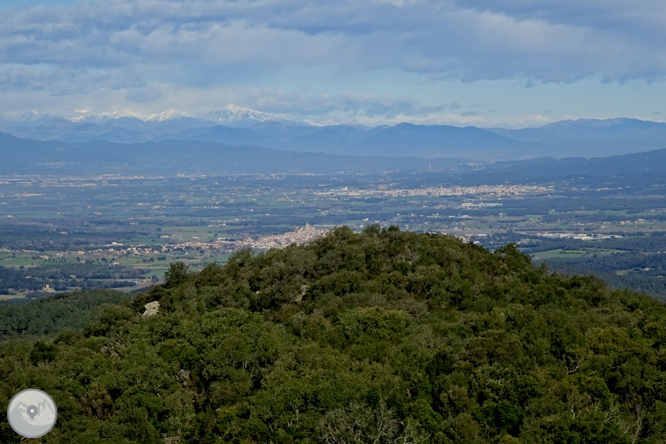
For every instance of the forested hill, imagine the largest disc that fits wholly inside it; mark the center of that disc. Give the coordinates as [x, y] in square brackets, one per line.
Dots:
[380, 337]
[55, 314]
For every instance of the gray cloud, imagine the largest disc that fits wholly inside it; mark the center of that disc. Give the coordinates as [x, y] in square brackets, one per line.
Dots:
[470, 40]
[144, 94]
[130, 46]
[350, 104]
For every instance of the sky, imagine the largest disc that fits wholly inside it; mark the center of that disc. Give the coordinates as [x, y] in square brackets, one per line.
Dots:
[506, 63]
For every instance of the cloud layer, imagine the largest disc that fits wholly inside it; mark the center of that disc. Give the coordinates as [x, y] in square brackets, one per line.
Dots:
[145, 50]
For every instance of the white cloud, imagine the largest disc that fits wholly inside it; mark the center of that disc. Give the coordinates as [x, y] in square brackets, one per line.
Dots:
[144, 50]
[493, 40]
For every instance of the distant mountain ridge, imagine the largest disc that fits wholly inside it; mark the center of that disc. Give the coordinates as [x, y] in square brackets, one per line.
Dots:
[594, 137]
[234, 125]
[172, 157]
[236, 116]
[230, 115]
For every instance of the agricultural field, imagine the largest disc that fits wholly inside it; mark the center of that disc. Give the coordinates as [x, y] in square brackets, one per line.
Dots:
[137, 226]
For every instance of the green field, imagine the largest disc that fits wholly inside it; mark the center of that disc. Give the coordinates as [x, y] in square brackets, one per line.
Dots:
[560, 253]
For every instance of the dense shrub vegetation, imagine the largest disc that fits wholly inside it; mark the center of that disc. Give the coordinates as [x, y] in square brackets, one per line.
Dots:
[56, 313]
[380, 337]
[66, 276]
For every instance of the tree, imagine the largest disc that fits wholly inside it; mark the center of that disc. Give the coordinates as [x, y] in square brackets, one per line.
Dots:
[175, 275]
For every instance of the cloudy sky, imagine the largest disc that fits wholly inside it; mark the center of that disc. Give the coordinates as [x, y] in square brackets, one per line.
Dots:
[512, 63]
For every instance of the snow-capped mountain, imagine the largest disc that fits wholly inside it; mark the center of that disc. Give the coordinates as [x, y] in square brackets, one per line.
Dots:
[86, 117]
[231, 115]
[125, 126]
[239, 117]
[28, 118]
[169, 114]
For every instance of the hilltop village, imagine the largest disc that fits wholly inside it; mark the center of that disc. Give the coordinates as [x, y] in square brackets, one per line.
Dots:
[299, 236]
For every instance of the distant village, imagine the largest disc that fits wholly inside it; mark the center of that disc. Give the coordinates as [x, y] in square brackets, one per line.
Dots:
[494, 190]
[299, 236]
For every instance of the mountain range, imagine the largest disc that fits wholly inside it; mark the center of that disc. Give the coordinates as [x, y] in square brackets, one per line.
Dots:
[234, 125]
[170, 157]
[173, 157]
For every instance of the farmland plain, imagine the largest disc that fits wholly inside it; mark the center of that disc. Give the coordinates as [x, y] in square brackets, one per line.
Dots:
[122, 232]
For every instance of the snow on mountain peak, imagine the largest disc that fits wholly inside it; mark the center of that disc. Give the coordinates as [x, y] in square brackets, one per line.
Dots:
[27, 117]
[101, 117]
[230, 115]
[169, 114]
[234, 115]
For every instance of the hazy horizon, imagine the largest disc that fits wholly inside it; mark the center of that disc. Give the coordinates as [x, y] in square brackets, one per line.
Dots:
[504, 63]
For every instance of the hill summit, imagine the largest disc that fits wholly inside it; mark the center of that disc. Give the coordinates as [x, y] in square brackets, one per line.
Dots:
[379, 337]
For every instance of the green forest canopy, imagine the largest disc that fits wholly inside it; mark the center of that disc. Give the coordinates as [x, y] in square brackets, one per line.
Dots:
[379, 337]
[54, 314]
